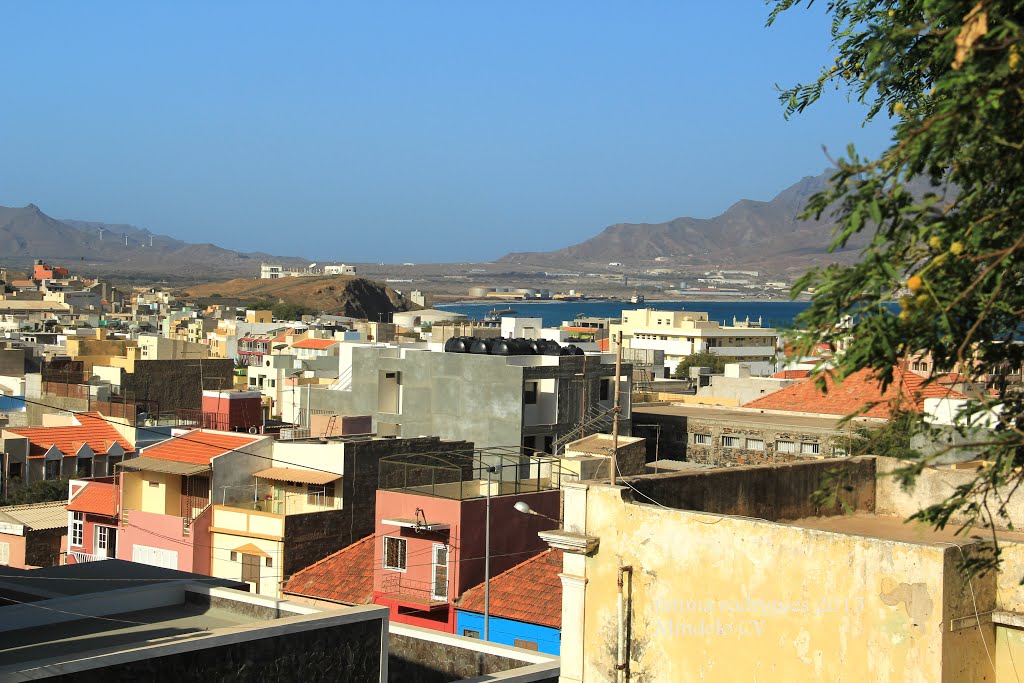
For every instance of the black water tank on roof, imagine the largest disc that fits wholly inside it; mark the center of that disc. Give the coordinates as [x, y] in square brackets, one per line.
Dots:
[459, 344]
[549, 347]
[572, 350]
[481, 346]
[511, 347]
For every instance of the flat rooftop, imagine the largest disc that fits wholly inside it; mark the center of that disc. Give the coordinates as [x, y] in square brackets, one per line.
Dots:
[60, 642]
[895, 529]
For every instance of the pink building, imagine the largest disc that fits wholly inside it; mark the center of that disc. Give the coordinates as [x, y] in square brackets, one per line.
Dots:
[166, 495]
[92, 520]
[431, 533]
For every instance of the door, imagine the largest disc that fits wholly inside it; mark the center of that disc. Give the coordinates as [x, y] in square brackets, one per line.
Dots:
[105, 544]
[440, 587]
[251, 571]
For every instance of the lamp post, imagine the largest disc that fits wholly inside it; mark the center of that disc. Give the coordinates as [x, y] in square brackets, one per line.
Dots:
[491, 469]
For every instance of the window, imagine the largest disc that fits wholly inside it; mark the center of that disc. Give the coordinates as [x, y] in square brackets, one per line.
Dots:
[470, 633]
[839, 451]
[440, 588]
[702, 439]
[530, 393]
[730, 442]
[51, 469]
[234, 556]
[320, 494]
[525, 644]
[102, 537]
[77, 528]
[807, 448]
[785, 446]
[14, 470]
[5, 553]
[394, 553]
[153, 483]
[755, 444]
[269, 562]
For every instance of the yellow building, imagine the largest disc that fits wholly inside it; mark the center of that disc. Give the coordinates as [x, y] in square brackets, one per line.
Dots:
[733, 575]
[682, 333]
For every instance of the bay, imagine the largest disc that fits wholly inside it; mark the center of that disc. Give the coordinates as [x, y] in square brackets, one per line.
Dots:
[779, 314]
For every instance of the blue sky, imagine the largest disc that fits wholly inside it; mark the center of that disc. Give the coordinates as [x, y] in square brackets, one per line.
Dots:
[407, 131]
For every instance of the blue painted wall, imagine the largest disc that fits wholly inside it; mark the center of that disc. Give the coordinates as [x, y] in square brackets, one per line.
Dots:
[12, 404]
[505, 631]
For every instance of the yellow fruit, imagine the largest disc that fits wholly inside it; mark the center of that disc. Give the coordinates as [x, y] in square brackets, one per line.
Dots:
[898, 108]
[892, 13]
[1014, 59]
[939, 260]
[915, 283]
[906, 302]
[956, 248]
[904, 315]
[935, 242]
[922, 299]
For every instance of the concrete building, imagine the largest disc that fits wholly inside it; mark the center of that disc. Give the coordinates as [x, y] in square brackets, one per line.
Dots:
[529, 402]
[735, 574]
[682, 333]
[32, 535]
[738, 385]
[91, 520]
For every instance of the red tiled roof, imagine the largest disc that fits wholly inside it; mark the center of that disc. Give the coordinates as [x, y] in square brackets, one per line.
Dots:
[853, 393]
[198, 446]
[792, 374]
[314, 344]
[96, 497]
[92, 429]
[283, 337]
[530, 592]
[346, 576]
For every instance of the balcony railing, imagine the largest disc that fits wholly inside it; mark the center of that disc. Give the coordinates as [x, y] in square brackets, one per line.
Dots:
[81, 557]
[415, 593]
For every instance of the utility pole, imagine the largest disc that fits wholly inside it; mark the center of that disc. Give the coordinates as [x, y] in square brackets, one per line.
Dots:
[617, 409]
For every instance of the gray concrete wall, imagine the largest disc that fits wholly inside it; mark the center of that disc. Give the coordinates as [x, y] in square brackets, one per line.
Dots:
[780, 492]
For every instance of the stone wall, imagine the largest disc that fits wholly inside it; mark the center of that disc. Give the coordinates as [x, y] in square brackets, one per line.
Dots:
[42, 548]
[665, 435]
[313, 536]
[771, 493]
[177, 384]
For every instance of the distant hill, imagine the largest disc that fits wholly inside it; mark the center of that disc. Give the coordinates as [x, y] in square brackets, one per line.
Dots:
[28, 233]
[334, 294]
[748, 232]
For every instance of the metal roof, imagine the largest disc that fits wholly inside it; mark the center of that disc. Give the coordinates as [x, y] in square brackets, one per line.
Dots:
[297, 475]
[165, 466]
[37, 515]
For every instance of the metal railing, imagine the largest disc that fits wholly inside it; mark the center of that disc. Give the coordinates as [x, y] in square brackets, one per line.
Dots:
[81, 557]
[395, 583]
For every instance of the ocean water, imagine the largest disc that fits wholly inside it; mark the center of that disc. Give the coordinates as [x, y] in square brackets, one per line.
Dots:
[778, 314]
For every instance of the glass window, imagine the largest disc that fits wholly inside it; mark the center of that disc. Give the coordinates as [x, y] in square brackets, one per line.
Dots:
[394, 553]
[808, 448]
[77, 528]
[702, 439]
[785, 446]
[755, 444]
[730, 442]
[530, 393]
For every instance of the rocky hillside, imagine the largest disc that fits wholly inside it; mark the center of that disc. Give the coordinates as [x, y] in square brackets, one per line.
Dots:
[334, 294]
[748, 232]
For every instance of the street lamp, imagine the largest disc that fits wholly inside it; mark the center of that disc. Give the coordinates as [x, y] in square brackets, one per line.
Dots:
[491, 469]
[523, 506]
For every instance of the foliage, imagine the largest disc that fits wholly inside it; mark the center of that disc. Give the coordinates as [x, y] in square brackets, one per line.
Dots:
[285, 311]
[949, 73]
[891, 438]
[37, 492]
[701, 359]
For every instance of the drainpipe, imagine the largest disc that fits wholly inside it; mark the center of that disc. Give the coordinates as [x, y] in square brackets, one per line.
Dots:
[621, 665]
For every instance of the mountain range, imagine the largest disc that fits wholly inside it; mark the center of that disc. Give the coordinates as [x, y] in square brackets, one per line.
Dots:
[747, 233]
[27, 233]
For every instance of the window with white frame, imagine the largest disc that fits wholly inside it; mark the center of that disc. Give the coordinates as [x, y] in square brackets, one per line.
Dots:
[839, 451]
[808, 448]
[102, 537]
[785, 446]
[755, 444]
[702, 439]
[394, 553]
[730, 442]
[77, 528]
[5, 553]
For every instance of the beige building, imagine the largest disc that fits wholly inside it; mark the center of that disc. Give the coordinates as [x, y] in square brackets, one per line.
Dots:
[682, 333]
[733, 575]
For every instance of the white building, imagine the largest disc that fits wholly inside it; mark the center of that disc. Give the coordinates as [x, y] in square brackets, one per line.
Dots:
[682, 333]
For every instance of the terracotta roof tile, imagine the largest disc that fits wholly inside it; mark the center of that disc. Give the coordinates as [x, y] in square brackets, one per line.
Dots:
[345, 577]
[792, 374]
[97, 498]
[91, 429]
[853, 393]
[530, 592]
[199, 446]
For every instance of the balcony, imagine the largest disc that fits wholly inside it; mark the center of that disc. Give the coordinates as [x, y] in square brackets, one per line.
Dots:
[81, 557]
[408, 593]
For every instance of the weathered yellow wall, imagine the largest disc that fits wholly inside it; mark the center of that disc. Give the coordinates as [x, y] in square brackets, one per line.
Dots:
[1009, 654]
[131, 490]
[164, 498]
[224, 568]
[782, 602]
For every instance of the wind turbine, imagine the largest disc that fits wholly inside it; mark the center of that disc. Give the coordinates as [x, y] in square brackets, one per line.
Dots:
[102, 230]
